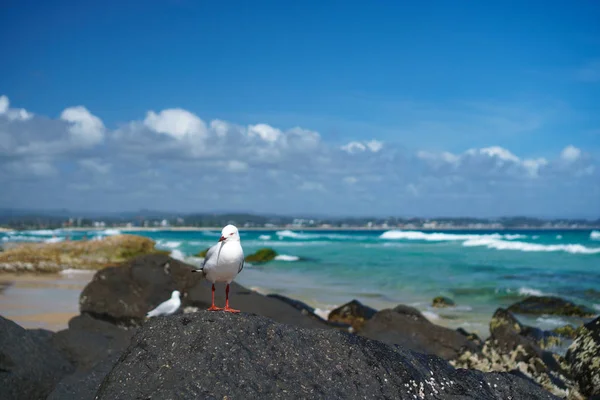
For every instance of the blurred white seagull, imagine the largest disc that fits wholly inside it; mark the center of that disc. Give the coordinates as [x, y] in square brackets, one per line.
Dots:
[223, 262]
[167, 307]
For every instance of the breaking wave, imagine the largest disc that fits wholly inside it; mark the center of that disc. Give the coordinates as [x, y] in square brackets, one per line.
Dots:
[498, 244]
[440, 237]
[595, 235]
[285, 257]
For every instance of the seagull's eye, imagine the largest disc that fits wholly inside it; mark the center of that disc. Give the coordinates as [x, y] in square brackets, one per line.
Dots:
[231, 234]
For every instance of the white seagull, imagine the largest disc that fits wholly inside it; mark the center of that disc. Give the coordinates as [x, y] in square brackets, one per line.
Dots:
[167, 307]
[223, 262]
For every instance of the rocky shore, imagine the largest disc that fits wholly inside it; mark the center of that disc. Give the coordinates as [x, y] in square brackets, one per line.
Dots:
[279, 348]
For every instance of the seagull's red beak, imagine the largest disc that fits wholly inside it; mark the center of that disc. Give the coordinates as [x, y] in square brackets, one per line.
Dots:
[222, 238]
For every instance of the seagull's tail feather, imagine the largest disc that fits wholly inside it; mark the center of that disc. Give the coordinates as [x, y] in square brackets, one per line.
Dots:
[201, 269]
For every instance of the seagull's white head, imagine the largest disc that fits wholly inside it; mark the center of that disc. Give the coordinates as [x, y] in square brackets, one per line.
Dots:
[175, 294]
[229, 234]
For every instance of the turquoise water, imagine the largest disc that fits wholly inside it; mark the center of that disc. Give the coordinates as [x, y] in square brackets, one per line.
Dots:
[479, 270]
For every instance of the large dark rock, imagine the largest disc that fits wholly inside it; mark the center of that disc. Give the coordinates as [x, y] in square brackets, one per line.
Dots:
[29, 366]
[250, 301]
[353, 313]
[83, 384]
[550, 305]
[89, 341]
[513, 347]
[415, 332]
[584, 358]
[124, 294]
[218, 355]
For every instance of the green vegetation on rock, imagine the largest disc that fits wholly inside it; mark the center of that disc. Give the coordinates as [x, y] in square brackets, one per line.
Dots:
[550, 305]
[88, 254]
[261, 256]
[442, 301]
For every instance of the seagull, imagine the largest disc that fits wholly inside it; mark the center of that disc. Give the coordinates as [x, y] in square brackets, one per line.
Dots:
[167, 307]
[223, 262]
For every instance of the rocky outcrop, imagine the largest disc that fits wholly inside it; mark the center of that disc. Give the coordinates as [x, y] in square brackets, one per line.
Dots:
[550, 305]
[583, 357]
[353, 313]
[512, 348]
[83, 384]
[261, 256]
[123, 295]
[441, 302]
[218, 355]
[308, 311]
[88, 254]
[407, 327]
[29, 366]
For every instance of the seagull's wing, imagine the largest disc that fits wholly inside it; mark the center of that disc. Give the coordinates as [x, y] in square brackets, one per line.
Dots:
[241, 266]
[211, 255]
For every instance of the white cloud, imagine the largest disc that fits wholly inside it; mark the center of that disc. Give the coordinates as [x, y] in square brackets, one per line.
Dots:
[237, 166]
[13, 114]
[350, 180]
[358, 147]
[95, 166]
[177, 123]
[570, 153]
[265, 132]
[312, 186]
[497, 152]
[86, 129]
[374, 145]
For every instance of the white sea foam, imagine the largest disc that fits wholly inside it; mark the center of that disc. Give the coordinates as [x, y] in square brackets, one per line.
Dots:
[285, 257]
[70, 271]
[41, 232]
[551, 321]
[597, 306]
[498, 244]
[265, 237]
[178, 255]
[168, 244]
[595, 235]
[110, 232]
[324, 312]
[525, 291]
[430, 315]
[442, 237]
[307, 236]
[559, 236]
[54, 240]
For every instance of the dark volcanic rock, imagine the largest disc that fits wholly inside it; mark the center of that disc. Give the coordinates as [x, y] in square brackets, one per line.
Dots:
[252, 302]
[442, 301]
[353, 313]
[83, 384]
[584, 358]
[29, 366]
[124, 294]
[218, 355]
[551, 306]
[89, 341]
[512, 347]
[415, 332]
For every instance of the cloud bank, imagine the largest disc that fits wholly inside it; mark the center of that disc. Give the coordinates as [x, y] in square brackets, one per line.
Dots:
[174, 160]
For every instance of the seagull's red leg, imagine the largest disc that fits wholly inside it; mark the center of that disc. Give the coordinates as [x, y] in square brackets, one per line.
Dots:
[213, 307]
[227, 308]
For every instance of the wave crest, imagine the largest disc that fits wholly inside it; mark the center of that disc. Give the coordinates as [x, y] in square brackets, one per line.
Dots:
[498, 244]
[285, 257]
[595, 235]
[442, 237]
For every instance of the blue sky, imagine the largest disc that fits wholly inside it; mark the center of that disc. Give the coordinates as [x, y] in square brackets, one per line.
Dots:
[449, 108]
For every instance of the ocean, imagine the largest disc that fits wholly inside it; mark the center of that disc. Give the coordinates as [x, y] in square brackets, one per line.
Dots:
[479, 270]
